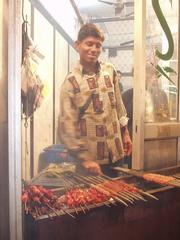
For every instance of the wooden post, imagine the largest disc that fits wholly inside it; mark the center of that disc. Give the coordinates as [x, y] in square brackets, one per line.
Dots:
[139, 84]
[14, 118]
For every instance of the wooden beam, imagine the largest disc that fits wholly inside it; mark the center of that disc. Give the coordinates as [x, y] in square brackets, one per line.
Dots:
[14, 118]
[139, 84]
[112, 19]
[77, 11]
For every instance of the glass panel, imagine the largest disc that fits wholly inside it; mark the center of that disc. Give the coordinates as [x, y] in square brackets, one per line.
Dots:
[161, 74]
[160, 154]
[118, 48]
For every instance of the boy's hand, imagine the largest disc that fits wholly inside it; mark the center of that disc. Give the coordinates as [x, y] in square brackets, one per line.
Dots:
[127, 143]
[92, 167]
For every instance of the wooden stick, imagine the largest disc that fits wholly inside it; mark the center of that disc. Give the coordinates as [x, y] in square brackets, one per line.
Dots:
[148, 194]
[100, 189]
[68, 213]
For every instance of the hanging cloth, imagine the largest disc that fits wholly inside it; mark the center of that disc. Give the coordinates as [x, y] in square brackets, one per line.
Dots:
[31, 82]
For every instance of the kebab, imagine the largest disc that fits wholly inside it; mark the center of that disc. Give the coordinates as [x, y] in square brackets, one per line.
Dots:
[38, 201]
[152, 177]
[84, 180]
[77, 197]
[124, 190]
[100, 188]
[158, 178]
[131, 189]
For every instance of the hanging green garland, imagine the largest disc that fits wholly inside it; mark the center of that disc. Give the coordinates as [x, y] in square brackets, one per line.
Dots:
[164, 56]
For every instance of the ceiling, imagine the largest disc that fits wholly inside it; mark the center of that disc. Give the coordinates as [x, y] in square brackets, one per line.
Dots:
[105, 8]
[115, 17]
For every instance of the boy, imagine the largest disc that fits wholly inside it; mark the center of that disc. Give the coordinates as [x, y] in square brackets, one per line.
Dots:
[92, 121]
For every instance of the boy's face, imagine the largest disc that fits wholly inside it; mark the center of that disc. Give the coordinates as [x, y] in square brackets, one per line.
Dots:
[89, 49]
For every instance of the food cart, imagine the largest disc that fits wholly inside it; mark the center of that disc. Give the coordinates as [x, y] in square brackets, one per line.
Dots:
[142, 209]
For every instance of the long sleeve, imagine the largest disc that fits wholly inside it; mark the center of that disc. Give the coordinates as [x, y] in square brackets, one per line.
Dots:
[68, 123]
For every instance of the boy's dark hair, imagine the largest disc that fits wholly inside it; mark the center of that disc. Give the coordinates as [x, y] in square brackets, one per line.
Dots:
[90, 30]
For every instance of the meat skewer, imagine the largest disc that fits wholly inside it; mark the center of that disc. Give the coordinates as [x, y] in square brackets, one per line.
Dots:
[72, 183]
[107, 203]
[121, 195]
[93, 181]
[135, 190]
[40, 201]
[112, 193]
[100, 189]
[128, 194]
[153, 177]
[78, 197]
[136, 195]
[158, 178]
[68, 186]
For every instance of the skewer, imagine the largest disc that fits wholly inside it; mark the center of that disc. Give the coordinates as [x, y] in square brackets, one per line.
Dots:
[114, 194]
[68, 184]
[68, 213]
[78, 186]
[132, 195]
[72, 178]
[148, 194]
[37, 214]
[119, 194]
[76, 211]
[125, 192]
[49, 215]
[128, 194]
[69, 187]
[176, 176]
[124, 195]
[57, 189]
[74, 183]
[137, 196]
[82, 209]
[140, 175]
[94, 204]
[175, 183]
[103, 178]
[52, 209]
[100, 189]
[25, 208]
[108, 205]
[128, 171]
[94, 181]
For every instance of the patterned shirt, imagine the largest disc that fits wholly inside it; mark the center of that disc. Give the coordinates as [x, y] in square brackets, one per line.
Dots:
[91, 114]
